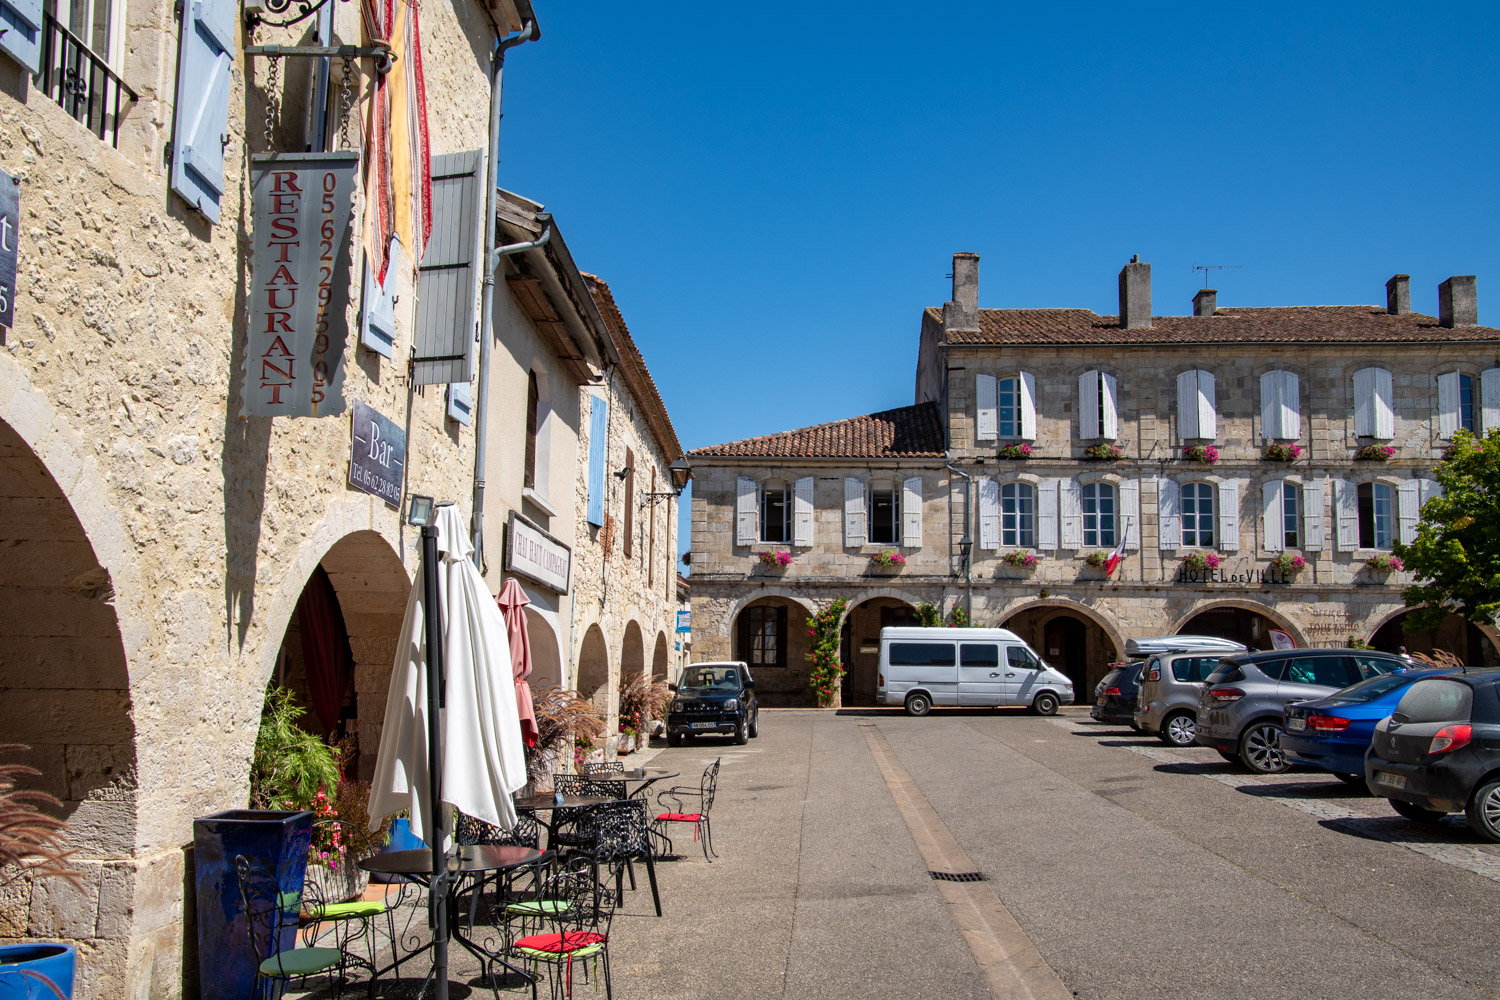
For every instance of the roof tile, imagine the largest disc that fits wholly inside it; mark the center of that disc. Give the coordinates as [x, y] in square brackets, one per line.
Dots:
[907, 432]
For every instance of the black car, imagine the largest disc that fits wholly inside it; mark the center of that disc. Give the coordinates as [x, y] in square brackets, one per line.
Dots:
[713, 698]
[1114, 697]
[1439, 752]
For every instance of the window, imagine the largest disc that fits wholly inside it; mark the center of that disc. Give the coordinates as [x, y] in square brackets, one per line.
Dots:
[775, 512]
[1009, 401]
[1017, 515]
[1198, 514]
[1194, 668]
[1466, 404]
[921, 654]
[763, 636]
[1291, 521]
[1376, 666]
[1098, 515]
[1328, 671]
[528, 476]
[885, 515]
[1021, 658]
[1273, 670]
[1437, 700]
[1374, 414]
[972, 654]
[1097, 406]
[1376, 519]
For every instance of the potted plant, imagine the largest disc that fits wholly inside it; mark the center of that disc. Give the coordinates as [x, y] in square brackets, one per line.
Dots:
[1382, 563]
[775, 559]
[1287, 565]
[642, 703]
[1201, 562]
[928, 615]
[891, 561]
[1374, 453]
[1020, 560]
[1015, 452]
[1205, 453]
[1096, 559]
[1104, 453]
[1280, 452]
[33, 846]
[566, 724]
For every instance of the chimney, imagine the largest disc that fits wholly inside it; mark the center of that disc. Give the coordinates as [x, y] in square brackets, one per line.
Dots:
[1458, 301]
[1205, 302]
[1135, 295]
[963, 312]
[1398, 295]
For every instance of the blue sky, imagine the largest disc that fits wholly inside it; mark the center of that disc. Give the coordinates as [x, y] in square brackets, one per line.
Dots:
[774, 199]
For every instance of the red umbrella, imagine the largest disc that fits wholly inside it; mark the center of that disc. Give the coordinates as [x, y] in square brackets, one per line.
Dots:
[513, 603]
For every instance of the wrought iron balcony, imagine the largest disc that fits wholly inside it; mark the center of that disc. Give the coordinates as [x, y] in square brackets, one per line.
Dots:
[81, 82]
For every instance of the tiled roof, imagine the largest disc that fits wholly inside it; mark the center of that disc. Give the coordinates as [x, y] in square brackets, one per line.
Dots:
[633, 370]
[908, 432]
[1272, 325]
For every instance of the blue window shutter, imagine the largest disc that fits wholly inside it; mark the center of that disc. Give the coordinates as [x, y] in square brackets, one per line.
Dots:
[598, 424]
[460, 401]
[378, 319]
[205, 59]
[21, 32]
[443, 340]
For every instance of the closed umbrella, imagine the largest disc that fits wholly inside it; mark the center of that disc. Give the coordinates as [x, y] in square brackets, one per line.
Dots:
[512, 602]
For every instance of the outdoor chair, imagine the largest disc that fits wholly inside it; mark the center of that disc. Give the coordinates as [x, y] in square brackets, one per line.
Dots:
[686, 804]
[571, 825]
[621, 835]
[526, 832]
[273, 918]
[603, 766]
[574, 940]
[347, 844]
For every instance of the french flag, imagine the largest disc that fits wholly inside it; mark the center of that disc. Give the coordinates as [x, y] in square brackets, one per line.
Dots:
[1117, 556]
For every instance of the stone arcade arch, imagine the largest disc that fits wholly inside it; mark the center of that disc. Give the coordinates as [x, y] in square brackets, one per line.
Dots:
[659, 665]
[1242, 621]
[769, 633]
[632, 653]
[1471, 643]
[1075, 639]
[860, 643]
[593, 669]
[546, 655]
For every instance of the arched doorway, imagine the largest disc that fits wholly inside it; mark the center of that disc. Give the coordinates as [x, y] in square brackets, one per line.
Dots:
[593, 669]
[1456, 635]
[546, 657]
[1237, 623]
[770, 635]
[1070, 641]
[659, 667]
[65, 693]
[860, 644]
[632, 654]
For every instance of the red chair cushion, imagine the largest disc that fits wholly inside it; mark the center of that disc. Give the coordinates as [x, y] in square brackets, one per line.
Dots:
[559, 943]
[680, 817]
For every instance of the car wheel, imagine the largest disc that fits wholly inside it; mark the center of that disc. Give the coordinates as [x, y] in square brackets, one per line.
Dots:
[1260, 749]
[1484, 810]
[1045, 704]
[1353, 781]
[742, 732]
[755, 724]
[1179, 730]
[1416, 813]
[674, 739]
[918, 704]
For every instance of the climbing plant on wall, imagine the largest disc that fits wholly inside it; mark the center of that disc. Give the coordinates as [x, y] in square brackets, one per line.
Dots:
[823, 652]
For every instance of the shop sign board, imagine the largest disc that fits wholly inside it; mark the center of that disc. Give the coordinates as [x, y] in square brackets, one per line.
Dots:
[377, 454]
[536, 555]
[10, 226]
[684, 621]
[299, 290]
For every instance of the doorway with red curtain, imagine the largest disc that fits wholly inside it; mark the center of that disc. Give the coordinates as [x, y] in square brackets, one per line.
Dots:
[316, 663]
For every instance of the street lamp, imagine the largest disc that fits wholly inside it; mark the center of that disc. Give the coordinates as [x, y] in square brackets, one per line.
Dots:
[680, 472]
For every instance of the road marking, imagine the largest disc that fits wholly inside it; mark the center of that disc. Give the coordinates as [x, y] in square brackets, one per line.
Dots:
[1011, 964]
[1391, 830]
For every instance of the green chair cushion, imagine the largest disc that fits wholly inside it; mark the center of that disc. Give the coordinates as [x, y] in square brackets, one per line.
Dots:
[537, 907]
[301, 961]
[353, 910]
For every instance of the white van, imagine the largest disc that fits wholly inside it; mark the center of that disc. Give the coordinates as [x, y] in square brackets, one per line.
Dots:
[979, 667]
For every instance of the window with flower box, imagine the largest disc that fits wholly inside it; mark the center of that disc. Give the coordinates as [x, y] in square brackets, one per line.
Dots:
[1198, 514]
[1098, 503]
[1017, 515]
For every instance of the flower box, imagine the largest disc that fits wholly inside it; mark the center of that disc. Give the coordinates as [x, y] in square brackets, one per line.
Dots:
[1281, 452]
[1288, 564]
[1096, 560]
[1104, 453]
[775, 560]
[887, 562]
[1015, 452]
[1205, 453]
[1374, 453]
[1201, 562]
[1383, 564]
[1020, 560]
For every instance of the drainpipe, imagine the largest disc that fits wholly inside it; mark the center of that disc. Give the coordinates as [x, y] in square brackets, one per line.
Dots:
[487, 301]
[968, 540]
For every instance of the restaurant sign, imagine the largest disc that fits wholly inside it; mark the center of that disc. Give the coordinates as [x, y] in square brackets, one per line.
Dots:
[299, 292]
[536, 555]
[377, 454]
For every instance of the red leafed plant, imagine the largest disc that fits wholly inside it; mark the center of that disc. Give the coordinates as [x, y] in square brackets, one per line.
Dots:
[31, 840]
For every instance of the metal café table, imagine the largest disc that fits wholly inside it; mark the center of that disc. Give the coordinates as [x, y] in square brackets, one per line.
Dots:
[647, 776]
[549, 803]
[478, 859]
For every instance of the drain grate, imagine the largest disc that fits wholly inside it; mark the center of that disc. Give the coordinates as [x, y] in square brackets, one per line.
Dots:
[959, 876]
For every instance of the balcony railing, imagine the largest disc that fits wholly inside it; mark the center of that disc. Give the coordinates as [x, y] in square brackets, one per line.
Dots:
[81, 82]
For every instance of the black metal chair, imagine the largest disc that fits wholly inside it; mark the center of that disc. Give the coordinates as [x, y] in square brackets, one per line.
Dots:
[621, 835]
[575, 934]
[686, 804]
[603, 767]
[273, 917]
[570, 826]
[526, 832]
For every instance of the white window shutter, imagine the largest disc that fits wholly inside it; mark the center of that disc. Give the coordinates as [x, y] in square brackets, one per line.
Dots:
[1229, 515]
[1385, 406]
[460, 401]
[377, 327]
[1109, 421]
[1088, 405]
[854, 512]
[1046, 515]
[1447, 404]
[1291, 406]
[1364, 403]
[989, 514]
[802, 512]
[598, 435]
[1070, 513]
[1168, 513]
[747, 512]
[443, 333]
[1208, 412]
[986, 409]
[1270, 407]
[1345, 515]
[1408, 507]
[1187, 406]
[1273, 528]
[911, 512]
[1130, 511]
[1430, 488]
[21, 32]
[1314, 532]
[205, 62]
[1489, 400]
[1028, 406]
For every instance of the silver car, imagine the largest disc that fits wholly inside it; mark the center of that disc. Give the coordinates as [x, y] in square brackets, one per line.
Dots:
[1166, 703]
[1240, 710]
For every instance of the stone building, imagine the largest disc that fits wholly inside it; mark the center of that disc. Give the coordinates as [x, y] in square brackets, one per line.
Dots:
[1205, 446]
[161, 535]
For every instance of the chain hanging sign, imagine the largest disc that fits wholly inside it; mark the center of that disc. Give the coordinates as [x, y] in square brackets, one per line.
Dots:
[299, 290]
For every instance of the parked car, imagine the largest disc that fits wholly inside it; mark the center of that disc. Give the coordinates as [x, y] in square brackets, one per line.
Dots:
[713, 698]
[1114, 696]
[1439, 752]
[980, 667]
[1242, 704]
[1166, 704]
[1333, 733]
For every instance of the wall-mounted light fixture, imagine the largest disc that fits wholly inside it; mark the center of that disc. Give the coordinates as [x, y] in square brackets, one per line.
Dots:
[681, 472]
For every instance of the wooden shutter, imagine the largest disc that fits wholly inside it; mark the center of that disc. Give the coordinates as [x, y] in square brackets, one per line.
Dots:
[986, 409]
[1273, 526]
[1385, 408]
[598, 431]
[1046, 515]
[205, 62]
[1345, 515]
[1028, 406]
[989, 514]
[1291, 406]
[443, 341]
[1314, 530]
[854, 513]
[460, 401]
[21, 32]
[1430, 488]
[377, 318]
[1109, 400]
[911, 512]
[802, 511]
[1270, 406]
[1448, 390]
[1168, 513]
[1208, 412]
[1489, 400]
[1187, 406]
[1408, 509]
[1130, 512]
[1373, 414]
[746, 511]
[1229, 515]
[1070, 514]
[533, 401]
[1088, 405]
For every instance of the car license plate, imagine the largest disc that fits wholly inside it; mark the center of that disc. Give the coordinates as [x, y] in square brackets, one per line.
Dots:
[1296, 725]
[1393, 780]
[704, 725]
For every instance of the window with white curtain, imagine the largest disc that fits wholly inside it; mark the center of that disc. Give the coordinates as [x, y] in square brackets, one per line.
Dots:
[1198, 516]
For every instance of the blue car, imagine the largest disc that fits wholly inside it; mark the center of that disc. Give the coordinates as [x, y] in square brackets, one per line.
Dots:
[1333, 733]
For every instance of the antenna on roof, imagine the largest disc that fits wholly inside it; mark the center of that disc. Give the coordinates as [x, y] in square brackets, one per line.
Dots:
[1205, 268]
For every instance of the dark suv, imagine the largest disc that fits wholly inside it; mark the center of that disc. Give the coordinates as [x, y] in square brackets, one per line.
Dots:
[713, 698]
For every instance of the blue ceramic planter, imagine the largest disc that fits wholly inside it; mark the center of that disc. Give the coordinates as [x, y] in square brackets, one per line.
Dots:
[275, 839]
[29, 971]
[401, 839]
